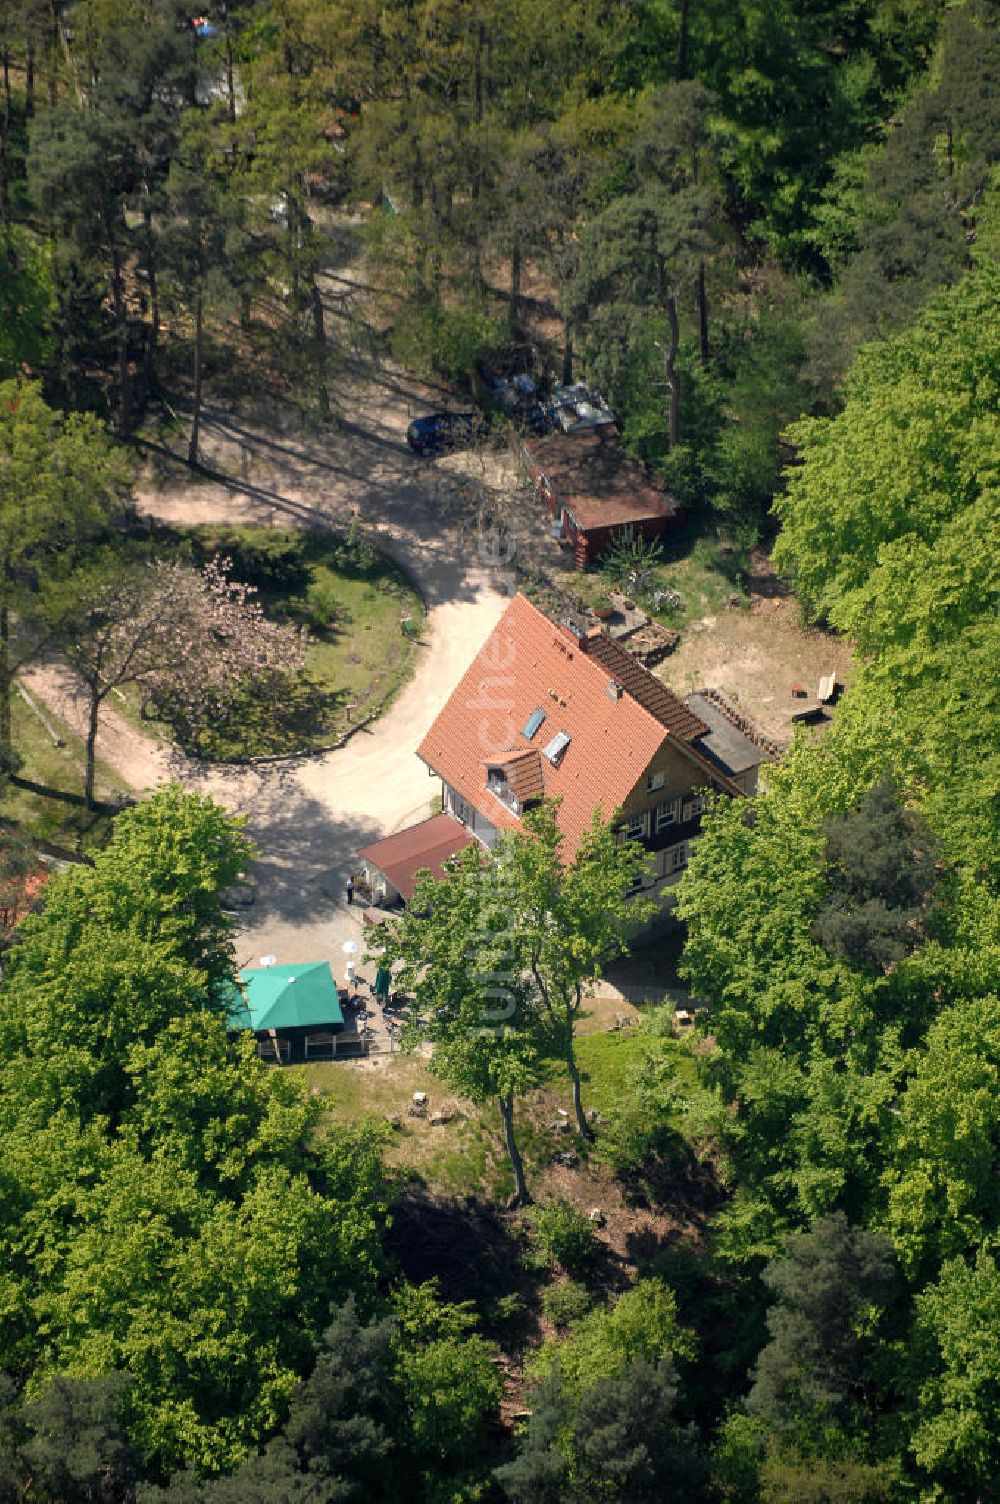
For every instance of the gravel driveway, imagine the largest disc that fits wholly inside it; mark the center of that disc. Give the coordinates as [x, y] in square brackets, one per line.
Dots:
[309, 816]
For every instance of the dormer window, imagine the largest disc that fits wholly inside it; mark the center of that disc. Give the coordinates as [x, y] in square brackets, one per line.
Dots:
[499, 785]
[556, 748]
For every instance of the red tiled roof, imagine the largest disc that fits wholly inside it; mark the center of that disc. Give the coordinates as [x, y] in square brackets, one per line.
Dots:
[592, 475]
[428, 844]
[528, 663]
[646, 688]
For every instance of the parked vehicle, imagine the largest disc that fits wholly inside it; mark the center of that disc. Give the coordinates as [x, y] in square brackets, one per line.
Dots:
[440, 431]
[533, 418]
[516, 399]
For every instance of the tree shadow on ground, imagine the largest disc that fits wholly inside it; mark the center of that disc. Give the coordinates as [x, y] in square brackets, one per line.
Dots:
[673, 1181]
[465, 1243]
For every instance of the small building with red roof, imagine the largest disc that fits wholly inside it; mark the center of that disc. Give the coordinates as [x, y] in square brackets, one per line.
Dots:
[595, 491]
[391, 865]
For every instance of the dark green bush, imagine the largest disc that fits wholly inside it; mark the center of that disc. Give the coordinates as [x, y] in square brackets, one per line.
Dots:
[565, 1236]
[274, 563]
[566, 1303]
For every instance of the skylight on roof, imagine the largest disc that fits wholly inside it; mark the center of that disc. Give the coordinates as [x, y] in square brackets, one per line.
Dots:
[532, 724]
[557, 746]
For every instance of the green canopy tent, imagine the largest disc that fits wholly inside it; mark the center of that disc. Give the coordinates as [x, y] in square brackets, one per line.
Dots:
[296, 1008]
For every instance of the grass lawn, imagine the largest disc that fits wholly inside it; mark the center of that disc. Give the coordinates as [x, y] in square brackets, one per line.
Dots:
[702, 569]
[457, 1157]
[467, 1155]
[351, 598]
[59, 769]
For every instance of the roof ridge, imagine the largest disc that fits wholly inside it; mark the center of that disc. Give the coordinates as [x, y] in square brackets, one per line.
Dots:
[503, 758]
[592, 662]
[630, 663]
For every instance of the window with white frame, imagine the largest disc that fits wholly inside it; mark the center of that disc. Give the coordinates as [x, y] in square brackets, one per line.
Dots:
[638, 882]
[635, 826]
[654, 781]
[666, 814]
[679, 857]
[693, 806]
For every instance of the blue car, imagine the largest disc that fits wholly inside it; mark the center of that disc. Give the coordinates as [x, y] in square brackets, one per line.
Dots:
[440, 431]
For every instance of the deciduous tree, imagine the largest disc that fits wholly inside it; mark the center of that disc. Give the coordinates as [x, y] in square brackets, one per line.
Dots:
[454, 949]
[60, 479]
[568, 920]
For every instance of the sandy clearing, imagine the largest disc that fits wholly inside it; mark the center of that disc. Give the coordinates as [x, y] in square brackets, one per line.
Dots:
[756, 656]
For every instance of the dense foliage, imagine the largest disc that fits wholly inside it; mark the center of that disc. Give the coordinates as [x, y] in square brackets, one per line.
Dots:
[710, 207]
[176, 1236]
[768, 231]
[848, 942]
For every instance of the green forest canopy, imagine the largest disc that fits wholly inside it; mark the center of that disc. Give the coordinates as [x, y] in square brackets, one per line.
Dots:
[196, 1285]
[787, 180]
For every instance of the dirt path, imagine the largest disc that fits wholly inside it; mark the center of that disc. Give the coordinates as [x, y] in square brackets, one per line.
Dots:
[309, 816]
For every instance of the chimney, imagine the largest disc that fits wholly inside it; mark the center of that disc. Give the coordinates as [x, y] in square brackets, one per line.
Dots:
[614, 690]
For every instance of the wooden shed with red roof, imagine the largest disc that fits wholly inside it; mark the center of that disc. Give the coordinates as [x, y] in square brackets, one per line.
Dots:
[592, 487]
[391, 865]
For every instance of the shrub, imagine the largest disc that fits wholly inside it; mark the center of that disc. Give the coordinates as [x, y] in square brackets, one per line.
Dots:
[606, 1340]
[447, 342]
[507, 1308]
[323, 612]
[565, 1236]
[630, 561]
[566, 1303]
[355, 551]
[274, 564]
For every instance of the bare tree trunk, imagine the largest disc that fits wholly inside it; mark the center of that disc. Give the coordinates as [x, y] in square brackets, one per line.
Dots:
[682, 42]
[29, 79]
[196, 415]
[230, 79]
[521, 1196]
[154, 294]
[5, 213]
[478, 279]
[567, 364]
[514, 310]
[670, 368]
[703, 316]
[54, 55]
[92, 721]
[582, 1126]
[319, 335]
[121, 321]
[6, 677]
